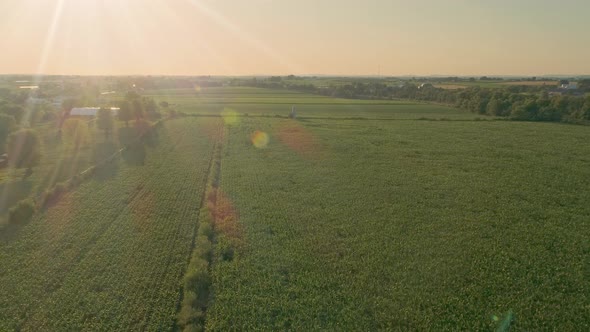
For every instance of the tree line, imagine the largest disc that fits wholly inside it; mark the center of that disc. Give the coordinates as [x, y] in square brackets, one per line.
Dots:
[517, 102]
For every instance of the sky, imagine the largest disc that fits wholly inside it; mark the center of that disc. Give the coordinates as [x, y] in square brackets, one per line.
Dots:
[300, 37]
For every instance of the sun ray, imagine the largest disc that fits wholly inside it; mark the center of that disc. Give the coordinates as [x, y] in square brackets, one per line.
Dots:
[243, 35]
[172, 14]
[49, 38]
[45, 51]
[211, 52]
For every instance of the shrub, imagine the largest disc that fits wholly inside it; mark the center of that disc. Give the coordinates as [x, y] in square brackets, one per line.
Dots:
[197, 279]
[205, 228]
[22, 212]
[193, 328]
[196, 294]
[203, 248]
[225, 249]
[188, 314]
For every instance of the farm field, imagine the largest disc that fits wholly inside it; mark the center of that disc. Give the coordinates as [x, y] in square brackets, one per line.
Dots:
[266, 102]
[357, 215]
[204, 166]
[110, 255]
[406, 225]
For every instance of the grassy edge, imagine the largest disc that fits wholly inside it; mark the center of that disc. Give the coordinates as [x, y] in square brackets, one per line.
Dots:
[196, 291]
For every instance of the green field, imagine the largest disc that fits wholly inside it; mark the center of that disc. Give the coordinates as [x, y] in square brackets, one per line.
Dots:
[110, 255]
[256, 101]
[407, 225]
[358, 215]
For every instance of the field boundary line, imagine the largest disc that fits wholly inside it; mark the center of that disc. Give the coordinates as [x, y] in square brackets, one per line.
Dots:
[195, 290]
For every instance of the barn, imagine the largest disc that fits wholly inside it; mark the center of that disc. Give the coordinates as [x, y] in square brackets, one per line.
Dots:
[89, 111]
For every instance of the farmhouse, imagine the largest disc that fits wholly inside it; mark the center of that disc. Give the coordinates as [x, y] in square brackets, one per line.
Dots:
[566, 88]
[89, 111]
[569, 86]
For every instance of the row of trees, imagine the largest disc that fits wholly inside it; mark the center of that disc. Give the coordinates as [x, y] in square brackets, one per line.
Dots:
[15, 111]
[529, 107]
[23, 145]
[530, 103]
[134, 106]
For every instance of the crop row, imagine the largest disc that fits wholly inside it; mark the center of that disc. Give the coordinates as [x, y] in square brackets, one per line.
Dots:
[407, 226]
[109, 254]
[215, 240]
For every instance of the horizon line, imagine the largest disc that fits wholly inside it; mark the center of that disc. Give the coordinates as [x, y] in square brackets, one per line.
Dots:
[304, 75]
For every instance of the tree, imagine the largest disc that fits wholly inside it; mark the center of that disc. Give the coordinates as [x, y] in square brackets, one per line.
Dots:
[132, 95]
[105, 121]
[164, 104]
[125, 113]
[584, 84]
[561, 103]
[151, 109]
[14, 110]
[149, 105]
[585, 114]
[548, 113]
[68, 104]
[24, 149]
[525, 111]
[494, 107]
[137, 107]
[7, 125]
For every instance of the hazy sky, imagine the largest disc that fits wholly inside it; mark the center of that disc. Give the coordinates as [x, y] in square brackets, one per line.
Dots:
[341, 37]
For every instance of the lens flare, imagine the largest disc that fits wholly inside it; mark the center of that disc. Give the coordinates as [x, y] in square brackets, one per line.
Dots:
[299, 139]
[230, 117]
[259, 139]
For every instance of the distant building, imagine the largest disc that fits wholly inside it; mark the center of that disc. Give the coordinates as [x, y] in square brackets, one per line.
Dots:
[569, 86]
[566, 88]
[425, 85]
[89, 111]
